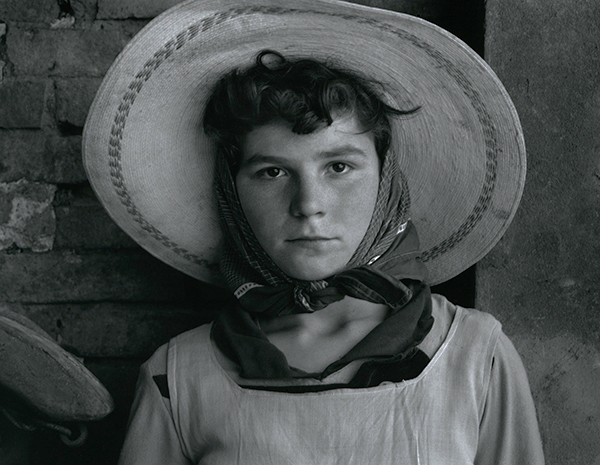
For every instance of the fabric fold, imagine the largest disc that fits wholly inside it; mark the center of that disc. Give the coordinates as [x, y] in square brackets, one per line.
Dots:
[384, 269]
[238, 334]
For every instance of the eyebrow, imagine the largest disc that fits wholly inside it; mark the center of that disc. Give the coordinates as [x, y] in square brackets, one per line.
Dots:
[345, 150]
[260, 158]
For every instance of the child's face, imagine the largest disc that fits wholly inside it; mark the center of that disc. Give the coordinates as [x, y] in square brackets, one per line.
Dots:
[309, 198]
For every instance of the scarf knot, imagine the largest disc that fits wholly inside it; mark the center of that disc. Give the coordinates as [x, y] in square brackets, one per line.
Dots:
[384, 269]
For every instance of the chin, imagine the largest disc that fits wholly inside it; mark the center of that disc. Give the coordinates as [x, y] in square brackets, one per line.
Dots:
[305, 273]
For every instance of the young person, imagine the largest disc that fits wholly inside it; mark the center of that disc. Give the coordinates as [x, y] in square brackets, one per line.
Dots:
[332, 349]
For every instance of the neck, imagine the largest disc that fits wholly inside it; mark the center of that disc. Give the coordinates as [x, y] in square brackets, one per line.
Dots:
[312, 341]
[329, 320]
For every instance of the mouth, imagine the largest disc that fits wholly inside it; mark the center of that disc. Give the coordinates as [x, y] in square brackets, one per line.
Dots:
[313, 244]
[311, 239]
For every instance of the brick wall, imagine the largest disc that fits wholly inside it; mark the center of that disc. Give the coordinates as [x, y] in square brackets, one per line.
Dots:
[63, 262]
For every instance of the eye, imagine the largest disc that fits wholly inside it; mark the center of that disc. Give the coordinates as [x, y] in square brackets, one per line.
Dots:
[339, 167]
[271, 172]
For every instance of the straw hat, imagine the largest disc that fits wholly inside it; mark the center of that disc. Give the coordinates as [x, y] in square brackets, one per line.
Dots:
[152, 167]
[51, 382]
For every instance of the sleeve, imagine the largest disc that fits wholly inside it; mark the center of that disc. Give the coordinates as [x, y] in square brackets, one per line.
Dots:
[151, 435]
[509, 432]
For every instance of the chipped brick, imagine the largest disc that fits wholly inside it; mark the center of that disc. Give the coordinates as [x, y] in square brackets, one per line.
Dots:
[26, 215]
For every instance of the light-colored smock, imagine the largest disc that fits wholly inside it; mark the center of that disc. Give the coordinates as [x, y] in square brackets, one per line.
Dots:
[471, 405]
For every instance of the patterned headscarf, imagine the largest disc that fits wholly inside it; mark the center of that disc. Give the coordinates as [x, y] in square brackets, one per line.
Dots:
[384, 269]
[263, 289]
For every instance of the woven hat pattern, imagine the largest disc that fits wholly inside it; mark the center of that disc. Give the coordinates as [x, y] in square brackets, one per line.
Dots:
[187, 28]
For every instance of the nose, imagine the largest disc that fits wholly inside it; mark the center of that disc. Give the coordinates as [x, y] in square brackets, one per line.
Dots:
[308, 197]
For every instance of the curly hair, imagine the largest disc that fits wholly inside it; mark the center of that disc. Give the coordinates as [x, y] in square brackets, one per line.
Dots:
[306, 93]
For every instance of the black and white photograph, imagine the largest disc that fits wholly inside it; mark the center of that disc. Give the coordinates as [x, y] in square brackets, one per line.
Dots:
[308, 232]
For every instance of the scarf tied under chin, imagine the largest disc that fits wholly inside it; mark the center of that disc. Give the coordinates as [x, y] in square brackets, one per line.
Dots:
[384, 269]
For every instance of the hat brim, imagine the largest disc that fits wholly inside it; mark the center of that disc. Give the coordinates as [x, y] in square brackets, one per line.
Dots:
[49, 380]
[151, 165]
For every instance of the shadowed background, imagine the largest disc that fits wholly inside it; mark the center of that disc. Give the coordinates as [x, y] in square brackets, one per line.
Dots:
[68, 267]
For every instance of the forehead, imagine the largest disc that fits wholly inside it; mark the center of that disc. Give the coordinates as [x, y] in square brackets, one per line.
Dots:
[276, 139]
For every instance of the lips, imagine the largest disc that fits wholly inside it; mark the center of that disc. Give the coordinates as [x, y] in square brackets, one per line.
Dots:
[313, 244]
[311, 239]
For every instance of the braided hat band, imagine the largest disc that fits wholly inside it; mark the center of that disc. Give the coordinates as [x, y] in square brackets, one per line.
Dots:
[152, 167]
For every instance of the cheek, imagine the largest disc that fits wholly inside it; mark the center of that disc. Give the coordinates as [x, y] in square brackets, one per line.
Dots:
[258, 219]
[359, 202]
[260, 212]
[359, 211]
